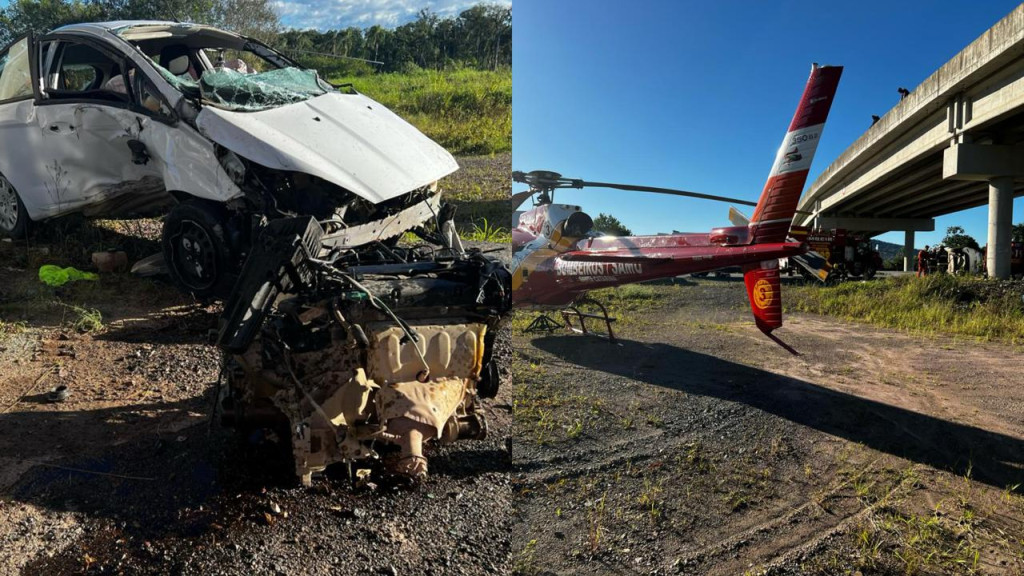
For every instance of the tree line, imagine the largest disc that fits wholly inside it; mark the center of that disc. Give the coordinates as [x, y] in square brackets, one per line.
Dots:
[480, 37]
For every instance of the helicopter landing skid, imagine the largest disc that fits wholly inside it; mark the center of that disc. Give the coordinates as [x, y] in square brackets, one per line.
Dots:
[574, 311]
[544, 323]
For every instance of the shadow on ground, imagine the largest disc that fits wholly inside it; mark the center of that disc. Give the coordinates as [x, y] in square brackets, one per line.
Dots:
[151, 466]
[184, 324]
[995, 459]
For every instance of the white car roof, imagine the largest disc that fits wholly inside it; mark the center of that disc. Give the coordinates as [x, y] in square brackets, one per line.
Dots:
[109, 26]
[139, 30]
[119, 24]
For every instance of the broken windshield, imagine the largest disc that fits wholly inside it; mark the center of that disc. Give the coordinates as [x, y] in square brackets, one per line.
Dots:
[238, 91]
[222, 68]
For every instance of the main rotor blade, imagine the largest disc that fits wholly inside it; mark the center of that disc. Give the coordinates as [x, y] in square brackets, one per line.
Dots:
[669, 191]
[541, 180]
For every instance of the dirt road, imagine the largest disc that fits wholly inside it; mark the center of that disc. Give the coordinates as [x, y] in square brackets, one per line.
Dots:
[697, 446]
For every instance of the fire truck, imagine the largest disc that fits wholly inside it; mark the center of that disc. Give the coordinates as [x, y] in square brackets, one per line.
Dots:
[833, 255]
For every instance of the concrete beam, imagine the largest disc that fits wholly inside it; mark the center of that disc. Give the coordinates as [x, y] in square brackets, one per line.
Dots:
[982, 162]
[965, 204]
[904, 183]
[877, 224]
[907, 206]
[983, 85]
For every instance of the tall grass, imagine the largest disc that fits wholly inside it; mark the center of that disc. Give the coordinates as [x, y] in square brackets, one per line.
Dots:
[466, 111]
[984, 309]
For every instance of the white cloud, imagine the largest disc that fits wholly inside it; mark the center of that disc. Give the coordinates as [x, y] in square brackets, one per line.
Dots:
[334, 14]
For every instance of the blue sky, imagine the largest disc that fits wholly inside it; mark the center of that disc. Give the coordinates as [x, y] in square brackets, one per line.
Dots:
[698, 95]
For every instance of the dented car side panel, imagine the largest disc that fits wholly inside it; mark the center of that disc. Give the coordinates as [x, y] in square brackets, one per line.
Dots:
[188, 161]
[83, 149]
[74, 154]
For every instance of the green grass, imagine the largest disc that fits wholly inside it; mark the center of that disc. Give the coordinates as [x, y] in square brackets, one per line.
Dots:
[85, 319]
[469, 112]
[485, 231]
[544, 412]
[624, 303]
[940, 304]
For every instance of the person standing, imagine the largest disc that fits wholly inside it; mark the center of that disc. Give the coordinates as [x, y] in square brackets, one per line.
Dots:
[922, 262]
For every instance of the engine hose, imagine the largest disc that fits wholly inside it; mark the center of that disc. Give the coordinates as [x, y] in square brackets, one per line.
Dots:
[409, 332]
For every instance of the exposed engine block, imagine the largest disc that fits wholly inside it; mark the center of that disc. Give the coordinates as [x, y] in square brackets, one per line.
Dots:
[355, 357]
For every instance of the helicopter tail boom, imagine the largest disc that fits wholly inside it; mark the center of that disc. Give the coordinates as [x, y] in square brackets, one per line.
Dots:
[775, 209]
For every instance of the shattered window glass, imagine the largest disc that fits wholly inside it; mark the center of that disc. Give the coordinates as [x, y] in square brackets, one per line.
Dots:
[78, 78]
[15, 75]
[183, 84]
[237, 91]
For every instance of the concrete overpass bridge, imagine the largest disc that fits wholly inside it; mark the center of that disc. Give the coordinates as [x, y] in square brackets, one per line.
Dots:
[955, 142]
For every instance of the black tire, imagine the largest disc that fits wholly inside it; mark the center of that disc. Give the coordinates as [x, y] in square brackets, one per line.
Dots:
[196, 249]
[490, 380]
[497, 359]
[14, 220]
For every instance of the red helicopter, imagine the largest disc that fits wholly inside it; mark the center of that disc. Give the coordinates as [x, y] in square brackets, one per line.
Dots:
[557, 258]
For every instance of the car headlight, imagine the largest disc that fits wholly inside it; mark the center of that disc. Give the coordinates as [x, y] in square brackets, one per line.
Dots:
[233, 166]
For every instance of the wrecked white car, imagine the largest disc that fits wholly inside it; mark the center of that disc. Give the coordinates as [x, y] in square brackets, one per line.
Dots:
[135, 118]
[287, 196]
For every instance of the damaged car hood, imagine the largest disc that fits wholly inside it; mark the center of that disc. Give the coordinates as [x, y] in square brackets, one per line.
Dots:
[346, 139]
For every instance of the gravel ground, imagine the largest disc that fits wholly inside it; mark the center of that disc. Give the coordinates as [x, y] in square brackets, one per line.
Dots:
[128, 476]
[697, 446]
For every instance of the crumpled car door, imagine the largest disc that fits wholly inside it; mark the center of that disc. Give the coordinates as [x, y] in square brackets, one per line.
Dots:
[85, 121]
[86, 153]
[19, 136]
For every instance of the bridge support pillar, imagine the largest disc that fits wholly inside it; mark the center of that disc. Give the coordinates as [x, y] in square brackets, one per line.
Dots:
[908, 251]
[1000, 219]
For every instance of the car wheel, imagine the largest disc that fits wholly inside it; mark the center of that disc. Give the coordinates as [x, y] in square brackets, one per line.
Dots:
[13, 217]
[196, 249]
